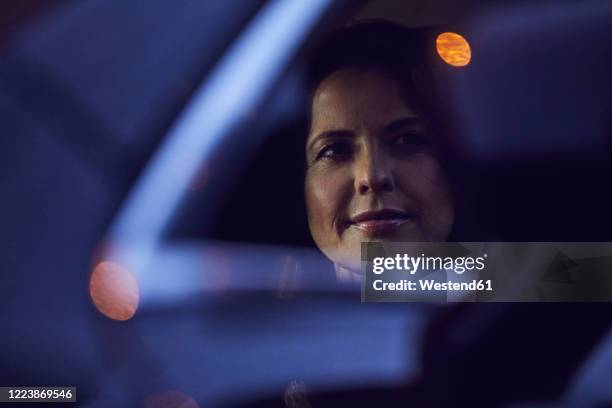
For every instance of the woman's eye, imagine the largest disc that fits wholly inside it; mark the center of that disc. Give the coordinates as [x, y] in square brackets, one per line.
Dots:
[335, 151]
[410, 140]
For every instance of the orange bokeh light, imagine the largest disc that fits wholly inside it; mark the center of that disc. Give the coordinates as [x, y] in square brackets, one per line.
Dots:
[453, 49]
[114, 291]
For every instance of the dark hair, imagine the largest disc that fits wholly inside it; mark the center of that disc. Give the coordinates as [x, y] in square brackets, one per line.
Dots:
[383, 46]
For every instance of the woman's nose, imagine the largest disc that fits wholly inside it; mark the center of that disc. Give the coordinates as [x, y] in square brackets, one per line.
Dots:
[373, 173]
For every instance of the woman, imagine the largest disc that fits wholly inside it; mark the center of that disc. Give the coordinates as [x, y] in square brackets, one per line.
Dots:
[372, 172]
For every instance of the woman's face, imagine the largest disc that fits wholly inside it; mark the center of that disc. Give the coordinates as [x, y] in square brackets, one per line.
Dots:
[371, 173]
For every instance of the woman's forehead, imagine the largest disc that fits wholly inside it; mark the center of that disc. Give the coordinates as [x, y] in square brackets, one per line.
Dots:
[352, 98]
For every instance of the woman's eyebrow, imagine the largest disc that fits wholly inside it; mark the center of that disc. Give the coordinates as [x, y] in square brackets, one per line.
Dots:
[401, 123]
[330, 134]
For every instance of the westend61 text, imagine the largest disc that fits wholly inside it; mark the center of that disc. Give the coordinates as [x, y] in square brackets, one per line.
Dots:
[432, 285]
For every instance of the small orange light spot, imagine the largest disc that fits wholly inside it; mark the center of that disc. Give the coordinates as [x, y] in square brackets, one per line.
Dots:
[114, 290]
[453, 49]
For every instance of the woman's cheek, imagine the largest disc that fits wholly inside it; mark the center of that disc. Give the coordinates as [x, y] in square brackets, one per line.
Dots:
[320, 191]
[324, 201]
[423, 178]
[425, 181]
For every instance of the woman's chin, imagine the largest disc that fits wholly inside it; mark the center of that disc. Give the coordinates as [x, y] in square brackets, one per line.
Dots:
[347, 256]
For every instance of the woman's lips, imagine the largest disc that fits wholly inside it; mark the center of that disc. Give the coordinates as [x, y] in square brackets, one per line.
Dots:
[380, 227]
[380, 222]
